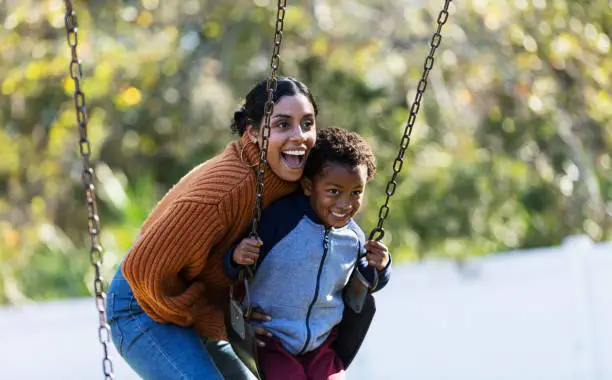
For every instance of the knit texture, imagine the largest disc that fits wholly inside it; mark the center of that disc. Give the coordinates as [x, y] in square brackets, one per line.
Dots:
[175, 267]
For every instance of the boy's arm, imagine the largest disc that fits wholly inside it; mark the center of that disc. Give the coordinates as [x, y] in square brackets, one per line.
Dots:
[364, 268]
[275, 222]
[368, 272]
[229, 266]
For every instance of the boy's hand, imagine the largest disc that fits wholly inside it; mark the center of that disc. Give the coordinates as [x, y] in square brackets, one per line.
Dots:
[247, 252]
[377, 254]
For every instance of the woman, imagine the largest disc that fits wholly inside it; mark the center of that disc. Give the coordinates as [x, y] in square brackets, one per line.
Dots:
[167, 299]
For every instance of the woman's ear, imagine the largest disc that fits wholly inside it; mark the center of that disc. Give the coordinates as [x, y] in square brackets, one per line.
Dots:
[306, 186]
[252, 133]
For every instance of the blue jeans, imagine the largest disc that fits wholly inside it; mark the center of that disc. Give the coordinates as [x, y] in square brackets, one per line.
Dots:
[165, 351]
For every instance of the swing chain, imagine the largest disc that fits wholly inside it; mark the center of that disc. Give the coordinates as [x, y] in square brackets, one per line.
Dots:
[96, 251]
[269, 107]
[378, 232]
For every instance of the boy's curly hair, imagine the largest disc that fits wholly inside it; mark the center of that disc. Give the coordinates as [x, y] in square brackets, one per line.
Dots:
[338, 145]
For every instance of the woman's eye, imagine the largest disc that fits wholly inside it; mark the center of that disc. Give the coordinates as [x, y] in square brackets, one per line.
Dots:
[307, 125]
[333, 191]
[283, 124]
[357, 192]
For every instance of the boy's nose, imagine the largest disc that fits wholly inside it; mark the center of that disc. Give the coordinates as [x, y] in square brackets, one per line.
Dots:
[344, 206]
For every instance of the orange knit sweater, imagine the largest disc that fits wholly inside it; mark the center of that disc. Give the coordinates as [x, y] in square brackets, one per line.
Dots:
[175, 268]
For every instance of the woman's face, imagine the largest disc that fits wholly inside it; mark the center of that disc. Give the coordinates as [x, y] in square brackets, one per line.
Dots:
[293, 133]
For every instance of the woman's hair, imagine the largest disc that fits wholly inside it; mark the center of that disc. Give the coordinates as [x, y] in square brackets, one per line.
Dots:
[340, 146]
[252, 111]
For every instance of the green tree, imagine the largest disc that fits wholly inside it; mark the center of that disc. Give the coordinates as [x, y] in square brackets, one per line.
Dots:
[511, 148]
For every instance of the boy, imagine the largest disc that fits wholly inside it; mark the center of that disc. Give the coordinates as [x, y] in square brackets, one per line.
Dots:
[308, 249]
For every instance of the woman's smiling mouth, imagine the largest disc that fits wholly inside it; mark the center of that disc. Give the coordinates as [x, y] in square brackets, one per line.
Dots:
[294, 158]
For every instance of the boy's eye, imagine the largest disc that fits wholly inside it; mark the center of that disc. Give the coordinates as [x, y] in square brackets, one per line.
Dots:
[357, 192]
[333, 191]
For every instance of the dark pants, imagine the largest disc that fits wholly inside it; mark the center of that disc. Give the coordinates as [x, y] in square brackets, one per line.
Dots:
[321, 364]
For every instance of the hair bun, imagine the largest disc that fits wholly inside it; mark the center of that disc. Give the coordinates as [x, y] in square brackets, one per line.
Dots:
[240, 121]
[240, 116]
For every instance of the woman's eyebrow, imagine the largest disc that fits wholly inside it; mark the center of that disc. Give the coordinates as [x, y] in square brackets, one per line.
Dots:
[281, 115]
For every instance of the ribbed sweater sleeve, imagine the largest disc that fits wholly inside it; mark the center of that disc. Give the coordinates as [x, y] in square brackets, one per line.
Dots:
[180, 238]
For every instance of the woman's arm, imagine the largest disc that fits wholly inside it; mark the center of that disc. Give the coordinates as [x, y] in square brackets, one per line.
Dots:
[172, 248]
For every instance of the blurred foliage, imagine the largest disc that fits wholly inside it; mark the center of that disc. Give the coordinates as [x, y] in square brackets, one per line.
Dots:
[512, 148]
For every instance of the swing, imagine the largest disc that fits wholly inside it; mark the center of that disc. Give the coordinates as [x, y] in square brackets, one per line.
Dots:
[87, 176]
[360, 306]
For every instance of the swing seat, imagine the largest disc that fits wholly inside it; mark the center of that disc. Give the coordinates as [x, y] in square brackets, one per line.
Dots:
[242, 339]
[353, 329]
[240, 333]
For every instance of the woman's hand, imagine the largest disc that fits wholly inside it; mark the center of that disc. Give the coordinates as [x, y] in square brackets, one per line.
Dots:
[259, 316]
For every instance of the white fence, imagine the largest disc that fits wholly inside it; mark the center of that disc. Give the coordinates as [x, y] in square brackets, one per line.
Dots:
[542, 314]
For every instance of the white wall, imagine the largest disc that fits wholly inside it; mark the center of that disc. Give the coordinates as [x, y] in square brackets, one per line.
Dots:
[531, 315]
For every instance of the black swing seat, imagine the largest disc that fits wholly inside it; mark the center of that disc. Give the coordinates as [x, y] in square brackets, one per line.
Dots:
[241, 334]
[353, 329]
[243, 344]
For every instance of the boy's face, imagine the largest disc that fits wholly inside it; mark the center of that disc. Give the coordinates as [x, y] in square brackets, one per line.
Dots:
[336, 193]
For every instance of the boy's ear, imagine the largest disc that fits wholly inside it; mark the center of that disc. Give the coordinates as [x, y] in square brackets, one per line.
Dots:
[306, 186]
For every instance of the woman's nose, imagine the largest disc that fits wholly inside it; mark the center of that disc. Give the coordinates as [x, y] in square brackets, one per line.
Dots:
[298, 133]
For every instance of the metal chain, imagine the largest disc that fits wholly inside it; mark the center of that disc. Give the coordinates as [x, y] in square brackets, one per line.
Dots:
[378, 232]
[269, 107]
[247, 272]
[96, 252]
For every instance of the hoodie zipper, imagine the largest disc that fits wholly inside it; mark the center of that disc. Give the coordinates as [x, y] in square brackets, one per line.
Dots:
[316, 295]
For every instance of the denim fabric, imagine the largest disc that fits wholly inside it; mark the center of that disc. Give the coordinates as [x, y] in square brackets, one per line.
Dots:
[165, 351]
